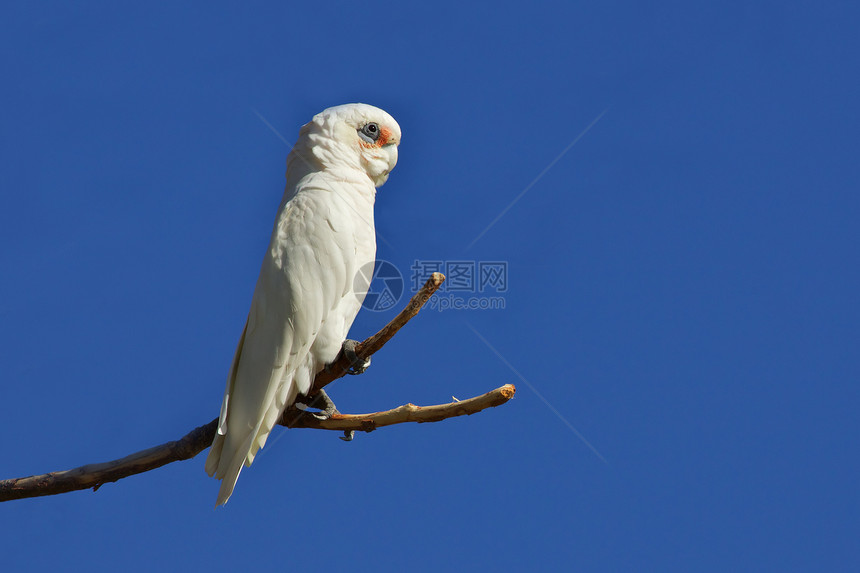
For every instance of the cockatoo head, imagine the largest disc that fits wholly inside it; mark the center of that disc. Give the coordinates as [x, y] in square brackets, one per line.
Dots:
[356, 135]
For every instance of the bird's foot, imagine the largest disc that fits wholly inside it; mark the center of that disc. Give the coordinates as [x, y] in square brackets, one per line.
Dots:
[357, 364]
[321, 402]
[327, 409]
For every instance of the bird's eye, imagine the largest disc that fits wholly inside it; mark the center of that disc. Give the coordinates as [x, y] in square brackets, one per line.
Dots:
[370, 132]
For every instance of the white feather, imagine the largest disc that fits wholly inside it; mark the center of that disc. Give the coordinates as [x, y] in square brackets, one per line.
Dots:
[305, 300]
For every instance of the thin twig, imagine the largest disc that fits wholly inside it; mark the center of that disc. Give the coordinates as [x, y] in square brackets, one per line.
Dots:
[295, 418]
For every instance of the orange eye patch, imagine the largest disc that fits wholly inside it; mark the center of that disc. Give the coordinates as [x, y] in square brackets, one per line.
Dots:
[385, 136]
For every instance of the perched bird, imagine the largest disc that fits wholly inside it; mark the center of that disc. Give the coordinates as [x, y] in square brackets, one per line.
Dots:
[310, 288]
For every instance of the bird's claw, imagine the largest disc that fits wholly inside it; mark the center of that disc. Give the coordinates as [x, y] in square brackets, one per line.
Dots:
[321, 402]
[357, 364]
[327, 409]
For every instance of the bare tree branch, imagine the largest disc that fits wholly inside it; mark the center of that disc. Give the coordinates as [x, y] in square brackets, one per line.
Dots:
[95, 475]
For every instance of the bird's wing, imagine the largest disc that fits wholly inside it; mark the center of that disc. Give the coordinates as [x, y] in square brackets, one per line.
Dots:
[303, 277]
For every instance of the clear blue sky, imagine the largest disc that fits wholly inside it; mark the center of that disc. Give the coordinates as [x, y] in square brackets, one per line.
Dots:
[683, 283]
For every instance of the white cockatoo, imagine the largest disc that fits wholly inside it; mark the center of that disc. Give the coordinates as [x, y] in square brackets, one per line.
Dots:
[310, 287]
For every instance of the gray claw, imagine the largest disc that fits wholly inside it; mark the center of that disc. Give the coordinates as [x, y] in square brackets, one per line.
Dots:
[357, 365]
[324, 404]
[327, 409]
